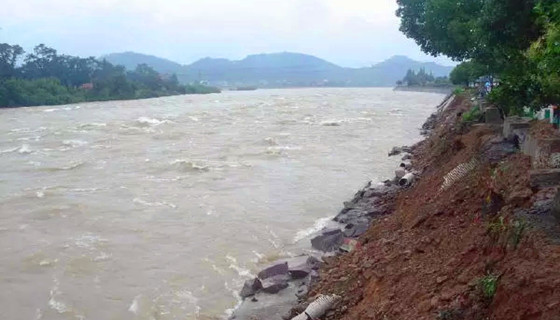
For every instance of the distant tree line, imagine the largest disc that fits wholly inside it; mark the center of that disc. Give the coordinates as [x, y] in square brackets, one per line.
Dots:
[422, 79]
[516, 41]
[44, 77]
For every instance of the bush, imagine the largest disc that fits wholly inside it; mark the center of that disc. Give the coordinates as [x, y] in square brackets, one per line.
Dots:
[474, 114]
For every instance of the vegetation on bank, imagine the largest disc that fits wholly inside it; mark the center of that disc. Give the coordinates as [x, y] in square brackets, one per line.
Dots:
[423, 79]
[45, 77]
[517, 42]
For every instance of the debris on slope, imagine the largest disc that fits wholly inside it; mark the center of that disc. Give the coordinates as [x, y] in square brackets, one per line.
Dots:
[479, 248]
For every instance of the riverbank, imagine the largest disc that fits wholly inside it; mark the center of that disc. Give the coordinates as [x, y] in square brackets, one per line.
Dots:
[472, 238]
[442, 90]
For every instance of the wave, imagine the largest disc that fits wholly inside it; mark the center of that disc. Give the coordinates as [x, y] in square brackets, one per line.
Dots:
[331, 123]
[92, 125]
[339, 122]
[148, 122]
[74, 143]
[189, 165]
[9, 150]
[318, 225]
[154, 204]
[70, 166]
[241, 271]
[280, 150]
[24, 149]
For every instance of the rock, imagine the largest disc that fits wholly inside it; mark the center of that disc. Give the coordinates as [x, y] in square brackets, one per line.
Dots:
[406, 157]
[275, 283]
[250, 288]
[441, 279]
[327, 242]
[300, 267]
[395, 151]
[556, 207]
[407, 165]
[280, 268]
[355, 230]
[400, 172]
[302, 291]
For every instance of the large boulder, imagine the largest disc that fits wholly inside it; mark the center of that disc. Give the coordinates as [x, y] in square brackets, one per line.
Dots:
[329, 241]
[250, 288]
[355, 230]
[278, 268]
[275, 283]
[556, 207]
[300, 267]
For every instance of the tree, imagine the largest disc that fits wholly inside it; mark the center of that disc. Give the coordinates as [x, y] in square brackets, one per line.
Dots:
[9, 55]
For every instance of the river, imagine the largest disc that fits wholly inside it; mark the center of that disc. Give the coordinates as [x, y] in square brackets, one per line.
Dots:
[161, 208]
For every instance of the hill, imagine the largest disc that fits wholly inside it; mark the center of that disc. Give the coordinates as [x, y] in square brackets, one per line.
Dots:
[131, 59]
[281, 70]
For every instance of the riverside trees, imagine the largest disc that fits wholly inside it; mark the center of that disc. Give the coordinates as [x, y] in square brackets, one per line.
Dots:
[515, 40]
[44, 77]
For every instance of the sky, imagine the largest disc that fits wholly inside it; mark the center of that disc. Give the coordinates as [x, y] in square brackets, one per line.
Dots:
[351, 33]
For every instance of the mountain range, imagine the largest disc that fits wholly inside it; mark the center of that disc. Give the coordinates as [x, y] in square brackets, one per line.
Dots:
[280, 70]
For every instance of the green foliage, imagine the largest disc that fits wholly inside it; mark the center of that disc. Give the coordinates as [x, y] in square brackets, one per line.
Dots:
[458, 91]
[488, 285]
[422, 78]
[47, 78]
[474, 114]
[47, 91]
[467, 72]
[517, 41]
[506, 232]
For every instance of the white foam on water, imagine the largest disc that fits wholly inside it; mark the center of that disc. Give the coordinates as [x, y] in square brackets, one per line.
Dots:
[9, 150]
[24, 149]
[154, 204]
[241, 271]
[54, 304]
[134, 305]
[193, 118]
[318, 225]
[88, 241]
[74, 143]
[235, 293]
[146, 121]
[331, 123]
[188, 165]
[191, 299]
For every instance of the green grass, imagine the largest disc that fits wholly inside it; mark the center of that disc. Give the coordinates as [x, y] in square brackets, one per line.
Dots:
[488, 285]
[473, 114]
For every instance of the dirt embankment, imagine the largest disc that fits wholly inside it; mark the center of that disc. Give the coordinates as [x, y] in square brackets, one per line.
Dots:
[470, 239]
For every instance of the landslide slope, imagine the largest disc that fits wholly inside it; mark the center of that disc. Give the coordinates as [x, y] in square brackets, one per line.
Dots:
[468, 250]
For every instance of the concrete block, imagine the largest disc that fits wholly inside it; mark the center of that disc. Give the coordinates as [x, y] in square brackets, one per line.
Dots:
[492, 115]
[512, 124]
[544, 178]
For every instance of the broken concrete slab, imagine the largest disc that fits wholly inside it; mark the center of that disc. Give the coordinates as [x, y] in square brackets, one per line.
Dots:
[250, 288]
[327, 242]
[279, 268]
[492, 115]
[355, 230]
[275, 283]
[544, 178]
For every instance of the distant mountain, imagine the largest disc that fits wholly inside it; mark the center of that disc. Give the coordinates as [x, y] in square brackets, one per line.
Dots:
[281, 70]
[131, 59]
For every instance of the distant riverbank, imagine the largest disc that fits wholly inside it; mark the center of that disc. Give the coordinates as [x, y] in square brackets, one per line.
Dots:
[443, 90]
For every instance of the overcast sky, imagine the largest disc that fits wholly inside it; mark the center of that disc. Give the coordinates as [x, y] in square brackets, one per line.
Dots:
[347, 32]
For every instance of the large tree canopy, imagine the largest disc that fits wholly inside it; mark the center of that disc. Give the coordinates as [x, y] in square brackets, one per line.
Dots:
[516, 40]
